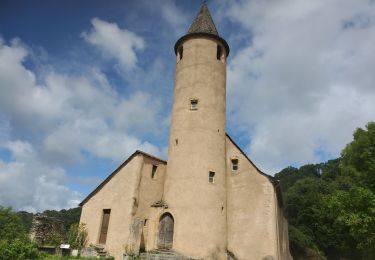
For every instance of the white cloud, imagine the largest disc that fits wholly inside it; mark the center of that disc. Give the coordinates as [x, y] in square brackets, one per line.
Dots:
[120, 44]
[48, 123]
[94, 136]
[305, 82]
[28, 184]
[174, 17]
[168, 12]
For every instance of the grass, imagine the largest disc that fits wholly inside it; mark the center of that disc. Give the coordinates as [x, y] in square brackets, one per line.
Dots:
[53, 257]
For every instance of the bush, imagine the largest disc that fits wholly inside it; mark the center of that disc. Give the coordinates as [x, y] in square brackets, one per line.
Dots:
[14, 242]
[19, 249]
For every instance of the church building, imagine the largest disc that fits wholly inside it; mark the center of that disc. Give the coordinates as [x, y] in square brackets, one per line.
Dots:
[208, 200]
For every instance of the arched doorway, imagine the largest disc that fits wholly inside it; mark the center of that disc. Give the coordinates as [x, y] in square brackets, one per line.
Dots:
[166, 225]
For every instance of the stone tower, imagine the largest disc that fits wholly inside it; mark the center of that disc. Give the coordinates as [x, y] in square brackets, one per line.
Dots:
[209, 200]
[195, 184]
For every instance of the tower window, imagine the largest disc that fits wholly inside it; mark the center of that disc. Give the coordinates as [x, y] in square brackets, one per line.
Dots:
[180, 52]
[219, 52]
[194, 104]
[234, 164]
[153, 173]
[211, 177]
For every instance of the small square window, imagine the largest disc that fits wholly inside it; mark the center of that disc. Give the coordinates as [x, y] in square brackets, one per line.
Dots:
[153, 173]
[194, 104]
[211, 177]
[234, 164]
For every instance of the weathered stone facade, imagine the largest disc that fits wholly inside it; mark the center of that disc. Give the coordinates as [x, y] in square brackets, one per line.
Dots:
[209, 201]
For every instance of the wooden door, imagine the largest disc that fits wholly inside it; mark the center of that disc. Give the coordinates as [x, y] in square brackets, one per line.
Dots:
[166, 226]
[104, 228]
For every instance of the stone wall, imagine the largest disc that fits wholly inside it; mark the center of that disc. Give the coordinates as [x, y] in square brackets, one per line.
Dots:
[252, 210]
[128, 194]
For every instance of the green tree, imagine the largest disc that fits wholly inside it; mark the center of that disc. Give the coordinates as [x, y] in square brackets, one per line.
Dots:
[347, 223]
[14, 241]
[78, 236]
[358, 157]
[10, 225]
[68, 217]
[26, 218]
[331, 206]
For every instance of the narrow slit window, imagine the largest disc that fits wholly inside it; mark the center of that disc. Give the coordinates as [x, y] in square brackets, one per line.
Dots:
[234, 164]
[104, 227]
[181, 52]
[153, 172]
[211, 177]
[194, 104]
[219, 52]
[145, 222]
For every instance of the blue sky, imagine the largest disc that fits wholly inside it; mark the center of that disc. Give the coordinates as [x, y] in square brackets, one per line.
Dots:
[83, 84]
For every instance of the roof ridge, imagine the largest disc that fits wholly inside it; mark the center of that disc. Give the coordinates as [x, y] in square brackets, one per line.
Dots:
[151, 156]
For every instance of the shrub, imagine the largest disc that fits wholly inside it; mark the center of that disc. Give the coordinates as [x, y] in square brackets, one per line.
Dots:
[14, 242]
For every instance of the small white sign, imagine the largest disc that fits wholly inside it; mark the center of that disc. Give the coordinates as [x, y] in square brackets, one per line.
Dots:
[75, 252]
[65, 246]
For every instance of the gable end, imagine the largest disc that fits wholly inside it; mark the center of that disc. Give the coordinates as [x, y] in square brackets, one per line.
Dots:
[100, 186]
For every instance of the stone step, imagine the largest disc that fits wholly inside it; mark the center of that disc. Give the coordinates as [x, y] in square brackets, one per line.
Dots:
[163, 255]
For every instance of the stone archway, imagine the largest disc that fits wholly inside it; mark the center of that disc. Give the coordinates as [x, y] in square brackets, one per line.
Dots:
[166, 226]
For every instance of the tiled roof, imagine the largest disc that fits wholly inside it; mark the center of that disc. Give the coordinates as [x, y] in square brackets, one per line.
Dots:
[203, 23]
[202, 26]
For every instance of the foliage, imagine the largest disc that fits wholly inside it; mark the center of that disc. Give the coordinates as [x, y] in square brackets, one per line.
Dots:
[10, 225]
[78, 236]
[358, 157]
[349, 218]
[69, 217]
[26, 219]
[51, 233]
[54, 257]
[19, 249]
[331, 206]
[14, 228]
[14, 242]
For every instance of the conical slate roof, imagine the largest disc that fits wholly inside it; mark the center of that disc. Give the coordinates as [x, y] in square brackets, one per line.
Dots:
[203, 23]
[202, 26]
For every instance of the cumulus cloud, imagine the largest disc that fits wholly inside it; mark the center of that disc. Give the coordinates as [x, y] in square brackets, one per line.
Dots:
[174, 17]
[120, 44]
[175, 20]
[49, 123]
[28, 184]
[304, 81]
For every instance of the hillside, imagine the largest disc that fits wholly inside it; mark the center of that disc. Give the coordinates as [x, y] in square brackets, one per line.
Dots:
[330, 206]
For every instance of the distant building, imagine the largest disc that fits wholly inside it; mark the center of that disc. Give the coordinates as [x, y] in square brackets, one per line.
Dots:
[209, 201]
